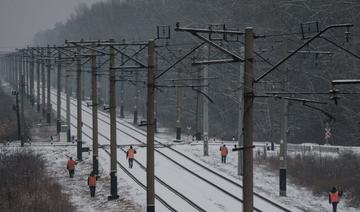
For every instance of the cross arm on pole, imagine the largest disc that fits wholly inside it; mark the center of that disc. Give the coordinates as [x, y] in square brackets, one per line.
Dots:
[300, 47]
[345, 81]
[178, 61]
[235, 57]
[340, 47]
[331, 117]
[90, 48]
[293, 99]
[142, 65]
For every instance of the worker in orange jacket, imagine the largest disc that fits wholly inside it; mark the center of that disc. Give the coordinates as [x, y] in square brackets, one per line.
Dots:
[130, 156]
[334, 198]
[92, 183]
[224, 152]
[71, 167]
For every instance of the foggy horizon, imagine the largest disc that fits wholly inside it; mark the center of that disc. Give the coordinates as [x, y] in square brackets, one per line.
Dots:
[21, 19]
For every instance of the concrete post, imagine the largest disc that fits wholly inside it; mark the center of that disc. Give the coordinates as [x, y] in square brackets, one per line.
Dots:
[150, 190]
[206, 105]
[113, 141]
[79, 108]
[48, 63]
[241, 116]
[95, 104]
[248, 204]
[283, 149]
[58, 95]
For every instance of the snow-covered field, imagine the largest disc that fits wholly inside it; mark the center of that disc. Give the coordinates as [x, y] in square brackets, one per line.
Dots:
[133, 197]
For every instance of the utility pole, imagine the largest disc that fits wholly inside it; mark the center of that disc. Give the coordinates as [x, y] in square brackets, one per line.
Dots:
[24, 67]
[38, 65]
[48, 62]
[197, 132]
[137, 92]
[113, 141]
[150, 189]
[32, 66]
[79, 109]
[178, 110]
[68, 91]
[28, 72]
[241, 116]
[248, 204]
[22, 93]
[122, 90]
[283, 148]
[206, 105]
[58, 95]
[17, 108]
[43, 81]
[95, 104]
[99, 83]
[17, 67]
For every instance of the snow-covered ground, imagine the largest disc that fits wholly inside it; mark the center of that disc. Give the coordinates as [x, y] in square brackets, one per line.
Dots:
[133, 197]
[266, 183]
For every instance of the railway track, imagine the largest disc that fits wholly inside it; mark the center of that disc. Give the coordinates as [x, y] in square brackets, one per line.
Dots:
[170, 156]
[138, 181]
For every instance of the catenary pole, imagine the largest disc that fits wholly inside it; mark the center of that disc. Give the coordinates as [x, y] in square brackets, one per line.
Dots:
[79, 108]
[248, 204]
[32, 67]
[43, 82]
[113, 141]
[283, 148]
[95, 104]
[206, 104]
[38, 65]
[58, 95]
[241, 116]
[178, 109]
[122, 90]
[137, 92]
[48, 63]
[68, 91]
[150, 190]
[22, 93]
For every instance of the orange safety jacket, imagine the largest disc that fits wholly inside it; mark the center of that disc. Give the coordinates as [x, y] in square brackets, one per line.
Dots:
[224, 151]
[92, 180]
[71, 164]
[131, 153]
[334, 197]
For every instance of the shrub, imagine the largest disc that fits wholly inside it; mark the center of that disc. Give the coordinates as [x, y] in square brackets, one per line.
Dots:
[320, 173]
[25, 186]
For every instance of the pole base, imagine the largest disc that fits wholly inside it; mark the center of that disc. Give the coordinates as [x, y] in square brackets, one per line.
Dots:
[150, 208]
[113, 197]
[178, 133]
[282, 184]
[48, 118]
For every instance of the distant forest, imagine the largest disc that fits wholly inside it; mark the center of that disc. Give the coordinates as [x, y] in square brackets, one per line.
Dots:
[277, 25]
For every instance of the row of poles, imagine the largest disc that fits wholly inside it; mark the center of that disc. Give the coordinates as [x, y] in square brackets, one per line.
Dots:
[17, 72]
[73, 52]
[19, 69]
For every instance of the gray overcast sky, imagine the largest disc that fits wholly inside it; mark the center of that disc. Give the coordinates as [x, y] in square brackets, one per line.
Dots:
[21, 19]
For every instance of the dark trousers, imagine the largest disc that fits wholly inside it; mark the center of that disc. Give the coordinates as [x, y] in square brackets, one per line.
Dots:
[71, 173]
[92, 191]
[223, 159]
[334, 204]
[131, 161]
